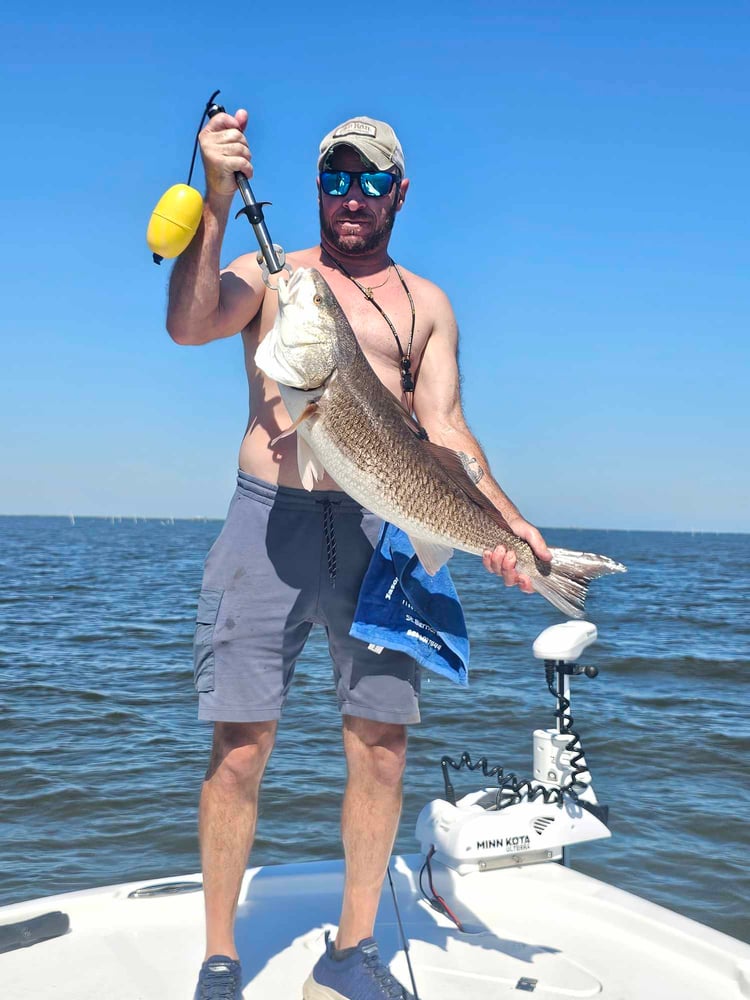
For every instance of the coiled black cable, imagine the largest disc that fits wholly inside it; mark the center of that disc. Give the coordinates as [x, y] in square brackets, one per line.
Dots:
[465, 761]
[572, 786]
[511, 789]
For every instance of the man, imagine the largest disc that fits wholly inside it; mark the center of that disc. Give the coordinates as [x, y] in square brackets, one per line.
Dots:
[267, 578]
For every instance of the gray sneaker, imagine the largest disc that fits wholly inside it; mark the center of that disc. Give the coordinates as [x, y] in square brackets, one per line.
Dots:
[220, 979]
[360, 975]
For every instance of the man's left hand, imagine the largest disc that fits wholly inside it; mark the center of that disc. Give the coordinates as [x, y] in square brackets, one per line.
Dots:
[502, 561]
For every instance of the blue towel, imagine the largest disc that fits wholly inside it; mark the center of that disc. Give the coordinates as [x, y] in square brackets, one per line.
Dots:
[402, 607]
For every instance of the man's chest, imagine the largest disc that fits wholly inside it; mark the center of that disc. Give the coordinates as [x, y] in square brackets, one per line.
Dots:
[388, 325]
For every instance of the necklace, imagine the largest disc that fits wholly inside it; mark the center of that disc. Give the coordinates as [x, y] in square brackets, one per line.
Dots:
[407, 379]
[369, 289]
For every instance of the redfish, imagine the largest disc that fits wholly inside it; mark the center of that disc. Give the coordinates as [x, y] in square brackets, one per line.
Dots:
[349, 425]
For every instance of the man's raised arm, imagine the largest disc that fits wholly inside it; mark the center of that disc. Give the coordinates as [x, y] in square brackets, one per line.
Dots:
[205, 304]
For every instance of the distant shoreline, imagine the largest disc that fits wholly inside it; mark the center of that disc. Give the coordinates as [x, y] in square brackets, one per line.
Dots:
[168, 520]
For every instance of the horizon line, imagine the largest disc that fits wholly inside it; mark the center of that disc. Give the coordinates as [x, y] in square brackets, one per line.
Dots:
[169, 519]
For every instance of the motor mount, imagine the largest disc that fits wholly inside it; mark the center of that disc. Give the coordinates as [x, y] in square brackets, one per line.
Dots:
[531, 821]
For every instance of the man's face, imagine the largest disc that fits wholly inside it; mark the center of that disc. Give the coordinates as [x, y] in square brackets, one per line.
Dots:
[355, 223]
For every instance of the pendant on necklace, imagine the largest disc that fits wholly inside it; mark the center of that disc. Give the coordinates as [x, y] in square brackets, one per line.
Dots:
[407, 380]
[367, 291]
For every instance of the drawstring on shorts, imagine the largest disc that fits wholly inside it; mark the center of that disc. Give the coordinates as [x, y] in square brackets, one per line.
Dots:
[330, 536]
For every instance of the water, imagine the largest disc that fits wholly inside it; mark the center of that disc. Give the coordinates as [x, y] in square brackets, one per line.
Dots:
[103, 757]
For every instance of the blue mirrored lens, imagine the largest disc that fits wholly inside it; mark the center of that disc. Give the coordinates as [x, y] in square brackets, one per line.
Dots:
[338, 182]
[376, 185]
[335, 182]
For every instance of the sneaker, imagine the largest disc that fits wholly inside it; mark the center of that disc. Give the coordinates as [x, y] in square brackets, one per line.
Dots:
[359, 976]
[220, 979]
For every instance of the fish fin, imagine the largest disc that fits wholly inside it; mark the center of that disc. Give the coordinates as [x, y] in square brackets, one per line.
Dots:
[309, 465]
[411, 422]
[432, 555]
[309, 411]
[565, 580]
[455, 469]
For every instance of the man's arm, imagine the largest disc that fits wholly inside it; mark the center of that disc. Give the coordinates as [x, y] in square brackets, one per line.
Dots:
[205, 304]
[437, 404]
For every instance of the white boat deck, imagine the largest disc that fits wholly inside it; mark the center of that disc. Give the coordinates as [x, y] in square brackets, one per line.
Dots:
[541, 931]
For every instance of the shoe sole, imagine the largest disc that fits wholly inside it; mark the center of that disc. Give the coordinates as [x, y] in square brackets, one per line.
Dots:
[314, 991]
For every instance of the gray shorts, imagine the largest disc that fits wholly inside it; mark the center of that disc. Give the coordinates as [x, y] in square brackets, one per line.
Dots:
[285, 560]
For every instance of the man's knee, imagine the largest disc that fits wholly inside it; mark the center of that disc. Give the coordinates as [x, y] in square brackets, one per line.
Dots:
[240, 751]
[378, 748]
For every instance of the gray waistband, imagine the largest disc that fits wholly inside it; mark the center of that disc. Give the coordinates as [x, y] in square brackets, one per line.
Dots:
[289, 497]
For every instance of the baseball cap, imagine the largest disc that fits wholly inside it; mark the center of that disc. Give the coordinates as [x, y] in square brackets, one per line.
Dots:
[375, 141]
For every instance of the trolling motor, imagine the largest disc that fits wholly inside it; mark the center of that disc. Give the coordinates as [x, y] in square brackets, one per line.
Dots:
[531, 821]
[175, 220]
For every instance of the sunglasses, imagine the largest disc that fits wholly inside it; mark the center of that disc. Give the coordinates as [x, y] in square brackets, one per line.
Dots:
[374, 185]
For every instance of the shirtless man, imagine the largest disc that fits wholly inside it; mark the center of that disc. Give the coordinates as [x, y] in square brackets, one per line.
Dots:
[266, 578]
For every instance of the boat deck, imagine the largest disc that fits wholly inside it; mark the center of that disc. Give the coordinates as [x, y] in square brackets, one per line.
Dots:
[543, 931]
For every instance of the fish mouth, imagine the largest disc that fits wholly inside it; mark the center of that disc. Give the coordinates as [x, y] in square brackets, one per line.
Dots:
[287, 286]
[296, 277]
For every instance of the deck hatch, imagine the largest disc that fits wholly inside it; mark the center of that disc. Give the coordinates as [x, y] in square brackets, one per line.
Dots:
[164, 889]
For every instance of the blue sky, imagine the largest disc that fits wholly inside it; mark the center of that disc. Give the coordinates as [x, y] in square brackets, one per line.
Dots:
[579, 188]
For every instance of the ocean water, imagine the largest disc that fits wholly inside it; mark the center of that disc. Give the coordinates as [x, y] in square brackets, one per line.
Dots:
[102, 755]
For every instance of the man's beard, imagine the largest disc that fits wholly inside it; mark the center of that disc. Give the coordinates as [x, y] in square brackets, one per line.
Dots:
[358, 244]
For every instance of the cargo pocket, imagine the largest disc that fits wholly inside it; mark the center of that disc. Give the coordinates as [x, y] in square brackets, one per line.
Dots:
[203, 641]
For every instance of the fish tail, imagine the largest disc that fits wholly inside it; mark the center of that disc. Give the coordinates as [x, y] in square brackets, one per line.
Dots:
[564, 581]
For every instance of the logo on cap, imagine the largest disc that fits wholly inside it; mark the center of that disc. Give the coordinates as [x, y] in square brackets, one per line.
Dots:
[357, 128]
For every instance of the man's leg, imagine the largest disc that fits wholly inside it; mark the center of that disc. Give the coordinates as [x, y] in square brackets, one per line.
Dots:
[228, 813]
[375, 756]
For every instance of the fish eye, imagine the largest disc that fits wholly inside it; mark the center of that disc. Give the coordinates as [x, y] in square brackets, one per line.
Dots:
[317, 299]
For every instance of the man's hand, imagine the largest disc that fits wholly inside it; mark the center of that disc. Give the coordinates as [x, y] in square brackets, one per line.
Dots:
[225, 152]
[502, 561]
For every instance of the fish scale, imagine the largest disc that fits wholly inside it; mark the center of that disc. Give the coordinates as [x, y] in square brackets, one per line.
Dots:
[389, 469]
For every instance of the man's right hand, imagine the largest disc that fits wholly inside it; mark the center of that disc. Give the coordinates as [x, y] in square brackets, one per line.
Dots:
[225, 152]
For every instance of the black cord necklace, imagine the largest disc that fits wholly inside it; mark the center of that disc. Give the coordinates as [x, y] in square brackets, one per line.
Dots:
[407, 379]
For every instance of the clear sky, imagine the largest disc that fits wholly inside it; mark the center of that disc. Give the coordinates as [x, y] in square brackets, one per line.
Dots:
[580, 178]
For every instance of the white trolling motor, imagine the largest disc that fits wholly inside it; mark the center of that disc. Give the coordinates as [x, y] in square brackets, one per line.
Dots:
[524, 822]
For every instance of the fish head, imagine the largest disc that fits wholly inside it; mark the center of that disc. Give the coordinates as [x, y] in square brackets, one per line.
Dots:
[299, 349]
